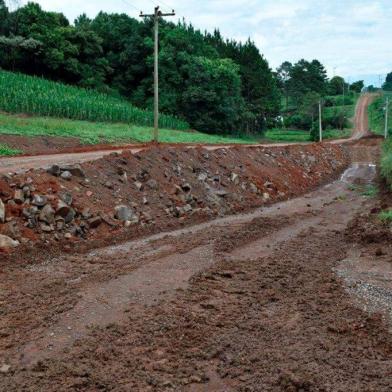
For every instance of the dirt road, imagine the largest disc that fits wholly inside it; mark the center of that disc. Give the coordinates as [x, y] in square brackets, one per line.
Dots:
[361, 119]
[243, 303]
[21, 164]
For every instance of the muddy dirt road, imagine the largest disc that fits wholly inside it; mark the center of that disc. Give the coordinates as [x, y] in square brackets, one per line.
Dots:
[23, 163]
[250, 302]
[361, 119]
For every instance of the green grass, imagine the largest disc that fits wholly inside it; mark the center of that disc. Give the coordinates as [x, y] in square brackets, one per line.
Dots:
[377, 114]
[349, 110]
[8, 151]
[287, 135]
[385, 216]
[95, 132]
[36, 96]
[369, 190]
[295, 135]
[386, 161]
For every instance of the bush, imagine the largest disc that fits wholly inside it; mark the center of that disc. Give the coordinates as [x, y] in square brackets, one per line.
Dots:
[386, 162]
[338, 100]
[298, 121]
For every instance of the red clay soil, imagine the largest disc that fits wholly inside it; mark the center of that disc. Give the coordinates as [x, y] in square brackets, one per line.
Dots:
[173, 191]
[279, 321]
[41, 145]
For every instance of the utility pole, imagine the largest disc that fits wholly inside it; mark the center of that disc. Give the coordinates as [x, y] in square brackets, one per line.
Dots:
[320, 124]
[156, 15]
[386, 118]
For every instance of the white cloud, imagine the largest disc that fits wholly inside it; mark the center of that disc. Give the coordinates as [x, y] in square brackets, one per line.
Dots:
[352, 35]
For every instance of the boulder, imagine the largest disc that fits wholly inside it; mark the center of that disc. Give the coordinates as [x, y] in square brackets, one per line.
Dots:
[47, 214]
[7, 242]
[2, 212]
[66, 197]
[29, 212]
[221, 193]
[95, 222]
[54, 170]
[124, 213]
[66, 175]
[235, 178]
[39, 200]
[65, 211]
[202, 177]
[253, 188]
[19, 196]
[186, 187]
[152, 184]
[76, 170]
[138, 185]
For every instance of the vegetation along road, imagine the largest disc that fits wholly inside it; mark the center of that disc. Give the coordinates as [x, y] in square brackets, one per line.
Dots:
[17, 164]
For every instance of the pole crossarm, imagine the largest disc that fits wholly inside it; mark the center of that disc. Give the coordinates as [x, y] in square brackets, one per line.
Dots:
[157, 13]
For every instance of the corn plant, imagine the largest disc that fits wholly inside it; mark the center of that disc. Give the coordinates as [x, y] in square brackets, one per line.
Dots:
[36, 96]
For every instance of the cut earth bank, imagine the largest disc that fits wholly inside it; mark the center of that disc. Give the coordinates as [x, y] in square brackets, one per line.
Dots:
[126, 195]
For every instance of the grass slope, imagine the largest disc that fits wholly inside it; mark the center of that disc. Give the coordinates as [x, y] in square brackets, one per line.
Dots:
[94, 133]
[295, 135]
[377, 114]
[8, 151]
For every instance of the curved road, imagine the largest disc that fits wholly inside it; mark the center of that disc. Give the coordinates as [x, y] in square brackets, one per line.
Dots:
[24, 163]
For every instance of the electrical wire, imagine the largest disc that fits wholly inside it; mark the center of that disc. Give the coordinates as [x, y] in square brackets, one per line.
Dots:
[131, 5]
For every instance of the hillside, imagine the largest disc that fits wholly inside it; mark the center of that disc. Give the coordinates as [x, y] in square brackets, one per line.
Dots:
[37, 96]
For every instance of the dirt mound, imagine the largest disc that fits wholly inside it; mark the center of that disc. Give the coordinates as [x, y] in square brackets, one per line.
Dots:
[123, 196]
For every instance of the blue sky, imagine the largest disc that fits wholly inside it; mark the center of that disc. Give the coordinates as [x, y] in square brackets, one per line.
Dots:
[351, 38]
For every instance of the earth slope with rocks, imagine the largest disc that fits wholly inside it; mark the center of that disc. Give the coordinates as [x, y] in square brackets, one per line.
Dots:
[126, 195]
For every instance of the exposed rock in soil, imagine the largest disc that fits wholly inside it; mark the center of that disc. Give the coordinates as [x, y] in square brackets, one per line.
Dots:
[167, 187]
[7, 242]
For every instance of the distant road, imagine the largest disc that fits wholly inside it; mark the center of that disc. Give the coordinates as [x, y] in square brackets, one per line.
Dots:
[24, 163]
[361, 119]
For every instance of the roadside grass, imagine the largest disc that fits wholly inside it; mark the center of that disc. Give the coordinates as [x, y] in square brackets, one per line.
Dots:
[287, 135]
[386, 161]
[385, 216]
[8, 151]
[369, 190]
[295, 135]
[377, 114]
[99, 132]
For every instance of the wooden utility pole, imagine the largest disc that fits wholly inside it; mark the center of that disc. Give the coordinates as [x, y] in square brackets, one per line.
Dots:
[386, 118]
[320, 124]
[157, 14]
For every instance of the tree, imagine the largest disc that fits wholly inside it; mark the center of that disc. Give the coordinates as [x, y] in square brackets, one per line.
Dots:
[357, 86]
[305, 77]
[387, 86]
[212, 95]
[336, 85]
[4, 14]
[283, 76]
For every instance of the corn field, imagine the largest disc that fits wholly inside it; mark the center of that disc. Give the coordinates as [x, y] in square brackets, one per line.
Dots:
[21, 93]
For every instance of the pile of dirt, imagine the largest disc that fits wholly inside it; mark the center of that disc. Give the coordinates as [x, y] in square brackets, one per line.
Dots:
[125, 195]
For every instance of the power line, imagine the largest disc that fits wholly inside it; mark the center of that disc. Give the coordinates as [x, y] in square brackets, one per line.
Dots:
[131, 5]
[165, 4]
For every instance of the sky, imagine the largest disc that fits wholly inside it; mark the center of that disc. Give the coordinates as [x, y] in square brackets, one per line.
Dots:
[351, 38]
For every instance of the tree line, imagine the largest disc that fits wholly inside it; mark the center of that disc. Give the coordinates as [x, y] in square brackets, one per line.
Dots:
[215, 84]
[305, 84]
